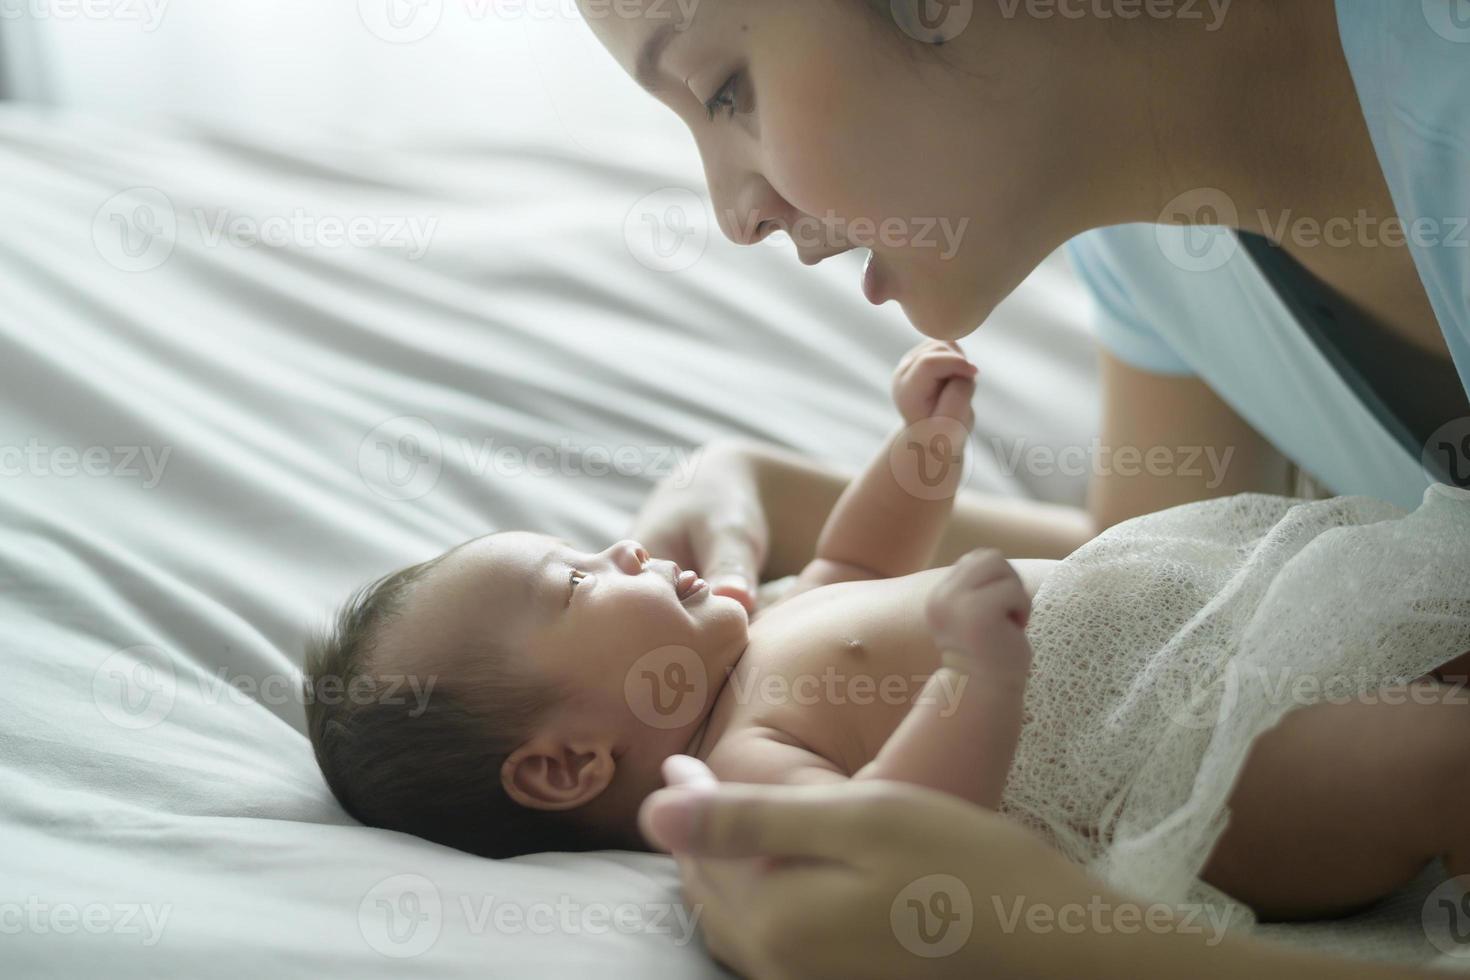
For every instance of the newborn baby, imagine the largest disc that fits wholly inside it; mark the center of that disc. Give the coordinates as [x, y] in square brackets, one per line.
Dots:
[559, 681]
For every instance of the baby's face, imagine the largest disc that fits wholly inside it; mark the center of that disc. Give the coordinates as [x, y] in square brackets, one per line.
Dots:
[582, 621]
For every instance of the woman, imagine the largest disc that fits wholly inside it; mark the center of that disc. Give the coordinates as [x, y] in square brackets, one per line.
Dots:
[1321, 338]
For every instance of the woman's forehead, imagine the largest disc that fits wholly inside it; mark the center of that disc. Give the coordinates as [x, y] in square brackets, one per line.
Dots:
[636, 32]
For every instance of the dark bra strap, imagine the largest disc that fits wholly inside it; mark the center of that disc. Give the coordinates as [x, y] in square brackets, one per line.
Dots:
[1403, 387]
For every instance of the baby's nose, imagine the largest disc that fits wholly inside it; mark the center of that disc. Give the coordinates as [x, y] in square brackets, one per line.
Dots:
[631, 556]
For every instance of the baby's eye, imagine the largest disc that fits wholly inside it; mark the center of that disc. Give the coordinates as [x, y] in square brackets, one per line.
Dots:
[575, 579]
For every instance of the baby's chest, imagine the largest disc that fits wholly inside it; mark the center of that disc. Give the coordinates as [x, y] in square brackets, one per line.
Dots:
[837, 679]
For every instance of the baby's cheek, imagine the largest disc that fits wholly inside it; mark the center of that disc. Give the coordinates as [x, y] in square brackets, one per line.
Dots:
[655, 615]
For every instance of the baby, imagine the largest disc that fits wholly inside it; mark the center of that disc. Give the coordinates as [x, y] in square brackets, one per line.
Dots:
[559, 681]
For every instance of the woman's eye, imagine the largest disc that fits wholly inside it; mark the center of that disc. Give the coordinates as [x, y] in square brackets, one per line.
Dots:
[724, 99]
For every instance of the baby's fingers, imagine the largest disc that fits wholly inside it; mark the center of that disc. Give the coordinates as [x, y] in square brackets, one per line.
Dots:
[928, 375]
[955, 401]
[937, 363]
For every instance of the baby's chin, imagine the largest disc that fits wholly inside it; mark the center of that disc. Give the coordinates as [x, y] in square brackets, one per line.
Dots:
[707, 603]
[732, 606]
[724, 630]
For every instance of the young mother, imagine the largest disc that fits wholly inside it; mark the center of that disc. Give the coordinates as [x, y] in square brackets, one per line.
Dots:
[1269, 202]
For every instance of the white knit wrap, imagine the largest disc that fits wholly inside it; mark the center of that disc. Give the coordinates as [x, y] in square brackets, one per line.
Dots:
[1167, 645]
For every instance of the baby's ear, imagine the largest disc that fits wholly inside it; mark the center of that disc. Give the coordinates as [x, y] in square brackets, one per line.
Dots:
[547, 774]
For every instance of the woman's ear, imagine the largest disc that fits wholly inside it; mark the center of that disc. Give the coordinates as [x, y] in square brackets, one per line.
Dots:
[546, 773]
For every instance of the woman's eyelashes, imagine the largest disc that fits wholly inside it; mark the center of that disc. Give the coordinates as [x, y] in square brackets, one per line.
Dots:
[726, 99]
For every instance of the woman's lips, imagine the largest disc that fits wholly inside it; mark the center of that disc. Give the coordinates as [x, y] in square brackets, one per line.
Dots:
[873, 285]
[688, 585]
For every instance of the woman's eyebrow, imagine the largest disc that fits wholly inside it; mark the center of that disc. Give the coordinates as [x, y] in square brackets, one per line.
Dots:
[647, 70]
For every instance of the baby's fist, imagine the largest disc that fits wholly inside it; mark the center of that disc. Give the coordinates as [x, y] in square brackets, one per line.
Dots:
[934, 380]
[980, 609]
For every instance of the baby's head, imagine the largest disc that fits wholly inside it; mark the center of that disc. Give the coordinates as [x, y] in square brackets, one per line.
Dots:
[488, 699]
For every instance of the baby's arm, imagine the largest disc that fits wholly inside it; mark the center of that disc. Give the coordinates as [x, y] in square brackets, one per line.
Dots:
[960, 736]
[889, 521]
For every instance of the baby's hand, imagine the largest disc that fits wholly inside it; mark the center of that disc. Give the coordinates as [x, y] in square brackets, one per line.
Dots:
[980, 610]
[934, 380]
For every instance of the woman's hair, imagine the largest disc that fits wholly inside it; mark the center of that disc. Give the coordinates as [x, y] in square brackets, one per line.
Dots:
[425, 758]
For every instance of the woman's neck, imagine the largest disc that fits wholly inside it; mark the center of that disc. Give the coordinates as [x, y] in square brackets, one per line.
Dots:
[1262, 109]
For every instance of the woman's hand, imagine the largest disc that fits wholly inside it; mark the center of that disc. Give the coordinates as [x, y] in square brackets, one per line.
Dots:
[713, 523]
[884, 879]
[862, 879]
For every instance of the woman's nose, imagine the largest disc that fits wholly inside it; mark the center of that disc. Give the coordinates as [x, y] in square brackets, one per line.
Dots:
[749, 228]
[630, 556]
[750, 211]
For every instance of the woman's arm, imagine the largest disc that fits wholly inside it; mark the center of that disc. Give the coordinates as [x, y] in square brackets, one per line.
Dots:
[885, 879]
[1207, 449]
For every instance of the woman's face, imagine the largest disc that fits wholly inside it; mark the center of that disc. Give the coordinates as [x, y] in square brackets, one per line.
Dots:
[825, 119]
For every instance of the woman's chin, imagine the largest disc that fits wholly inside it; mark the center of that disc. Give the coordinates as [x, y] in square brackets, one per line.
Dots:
[937, 316]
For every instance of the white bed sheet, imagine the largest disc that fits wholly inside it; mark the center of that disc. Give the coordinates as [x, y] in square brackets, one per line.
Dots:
[165, 823]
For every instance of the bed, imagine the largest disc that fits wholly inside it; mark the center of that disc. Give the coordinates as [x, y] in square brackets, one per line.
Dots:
[243, 376]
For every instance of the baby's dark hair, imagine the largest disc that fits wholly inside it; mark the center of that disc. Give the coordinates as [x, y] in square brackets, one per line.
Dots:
[423, 759]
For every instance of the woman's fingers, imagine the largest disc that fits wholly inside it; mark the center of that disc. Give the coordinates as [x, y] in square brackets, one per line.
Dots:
[737, 820]
[681, 771]
[797, 920]
[728, 556]
[685, 770]
[722, 923]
